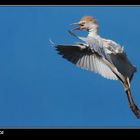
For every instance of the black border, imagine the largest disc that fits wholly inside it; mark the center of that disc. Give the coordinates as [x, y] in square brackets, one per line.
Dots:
[71, 132]
[71, 2]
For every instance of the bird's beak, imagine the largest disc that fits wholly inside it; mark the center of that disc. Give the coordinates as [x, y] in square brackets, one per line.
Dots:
[77, 28]
[76, 23]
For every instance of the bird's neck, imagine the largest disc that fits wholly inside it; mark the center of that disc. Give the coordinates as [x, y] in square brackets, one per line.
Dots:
[92, 32]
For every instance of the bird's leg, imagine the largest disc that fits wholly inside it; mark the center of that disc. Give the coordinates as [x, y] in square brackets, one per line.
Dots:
[131, 103]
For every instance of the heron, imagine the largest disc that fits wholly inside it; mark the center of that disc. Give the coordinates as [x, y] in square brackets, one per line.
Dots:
[100, 55]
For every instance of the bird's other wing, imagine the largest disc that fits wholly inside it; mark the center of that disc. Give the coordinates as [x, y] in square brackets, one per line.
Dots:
[83, 57]
[95, 44]
[118, 57]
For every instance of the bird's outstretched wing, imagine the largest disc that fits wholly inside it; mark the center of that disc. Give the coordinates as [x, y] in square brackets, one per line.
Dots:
[83, 57]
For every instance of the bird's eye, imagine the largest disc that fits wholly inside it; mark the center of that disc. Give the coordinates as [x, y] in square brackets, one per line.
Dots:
[82, 24]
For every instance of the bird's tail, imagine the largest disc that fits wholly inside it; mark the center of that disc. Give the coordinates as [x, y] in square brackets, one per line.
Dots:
[131, 102]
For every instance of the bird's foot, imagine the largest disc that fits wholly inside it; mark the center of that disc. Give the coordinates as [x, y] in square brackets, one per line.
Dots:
[135, 110]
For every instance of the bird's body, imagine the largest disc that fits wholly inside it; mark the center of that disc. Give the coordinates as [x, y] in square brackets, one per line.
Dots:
[103, 56]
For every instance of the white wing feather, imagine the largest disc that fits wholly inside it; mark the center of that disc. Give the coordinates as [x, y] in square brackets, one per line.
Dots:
[93, 63]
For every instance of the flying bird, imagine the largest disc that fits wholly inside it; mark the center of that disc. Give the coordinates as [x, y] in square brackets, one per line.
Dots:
[100, 55]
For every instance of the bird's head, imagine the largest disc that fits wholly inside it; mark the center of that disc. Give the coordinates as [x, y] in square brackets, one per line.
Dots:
[86, 23]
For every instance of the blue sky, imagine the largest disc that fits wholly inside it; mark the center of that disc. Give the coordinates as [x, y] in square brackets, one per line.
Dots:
[40, 89]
